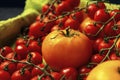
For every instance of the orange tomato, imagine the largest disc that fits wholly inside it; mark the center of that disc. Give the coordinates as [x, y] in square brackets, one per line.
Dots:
[87, 20]
[66, 48]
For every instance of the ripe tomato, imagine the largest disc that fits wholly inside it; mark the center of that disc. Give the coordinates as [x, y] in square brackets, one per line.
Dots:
[114, 56]
[63, 7]
[105, 44]
[69, 73]
[72, 23]
[66, 48]
[4, 75]
[35, 71]
[36, 29]
[115, 13]
[8, 66]
[97, 58]
[91, 30]
[55, 75]
[21, 50]
[34, 46]
[87, 20]
[73, 3]
[109, 29]
[92, 8]
[34, 57]
[101, 15]
[21, 75]
[6, 50]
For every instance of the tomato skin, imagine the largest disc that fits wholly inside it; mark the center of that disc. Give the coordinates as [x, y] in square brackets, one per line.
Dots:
[86, 21]
[36, 29]
[97, 58]
[4, 75]
[91, 30]
[114, 56]
[9, 66]
[104, 45]
[55, 75]
[56, 48]
[101, 15]
[18, 76]
[73, 3]
[34, 57]
[73, 24]
[117, 16]
[6, 50]
[35, 71]
[21, 50]
[92, 8]
[96, 44]
[34, 46]
[63, 7]
[69, 73]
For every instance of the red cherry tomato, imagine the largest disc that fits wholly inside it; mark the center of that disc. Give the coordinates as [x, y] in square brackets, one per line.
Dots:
[21, 75]
[72, 23]
[4, 75]
[116, 14]
[101, 15]
[97, 58]
[21, 50]
[114, 56]
[8, 66]
[55, 76]
[92, 8]
[34, 46]
[34, 57]
[35, 71]
[36, 29]
[6, 50]
[70, 73]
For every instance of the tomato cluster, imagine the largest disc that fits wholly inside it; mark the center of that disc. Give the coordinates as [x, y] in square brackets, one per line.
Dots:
[78, 39]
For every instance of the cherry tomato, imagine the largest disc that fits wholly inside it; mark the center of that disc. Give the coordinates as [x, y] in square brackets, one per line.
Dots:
[72, 23]
[116, 14]
[20, 41]
[12, 55]
[34, 46]
[101, 15]
[96, 43]
[21, 50]
[46, 7]
[117, 30]
[97, 58]
[109, 29]
[36, 29]
[55, 75]
[114, 56]
[63, 7]
[6, 50]
[70, 73]
[4, 75]
[34, 57]
[78, 16]
[21, 75]
[92, 8]
[56, 27]
[91, 29]
[105, 44]
[8, 66]
[35, 71]
[83, 71]
[73, 3]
